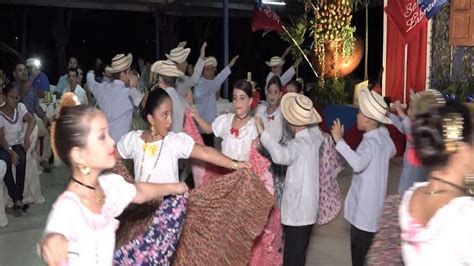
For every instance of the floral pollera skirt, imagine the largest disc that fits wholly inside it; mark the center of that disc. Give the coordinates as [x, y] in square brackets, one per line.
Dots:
[158, 243]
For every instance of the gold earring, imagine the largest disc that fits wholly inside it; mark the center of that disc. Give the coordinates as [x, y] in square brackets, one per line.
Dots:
[85, 170]
[469, 182]
[153, 131]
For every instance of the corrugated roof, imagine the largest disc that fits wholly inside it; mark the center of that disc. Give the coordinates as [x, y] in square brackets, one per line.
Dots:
[237, 8]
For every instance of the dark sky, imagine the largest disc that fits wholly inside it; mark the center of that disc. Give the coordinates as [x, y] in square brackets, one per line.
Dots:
[99, 33]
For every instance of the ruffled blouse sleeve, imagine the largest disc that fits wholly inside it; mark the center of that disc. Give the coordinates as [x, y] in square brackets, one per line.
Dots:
[118, 192]
[182, 146]
[127, 144]
[220, 125]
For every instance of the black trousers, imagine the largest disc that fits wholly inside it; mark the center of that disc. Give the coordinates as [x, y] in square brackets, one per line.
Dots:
[296, 242]
[15, 188]
[360, 244]
[208, 139]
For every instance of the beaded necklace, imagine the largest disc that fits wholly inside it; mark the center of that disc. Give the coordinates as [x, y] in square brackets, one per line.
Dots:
[154, 165]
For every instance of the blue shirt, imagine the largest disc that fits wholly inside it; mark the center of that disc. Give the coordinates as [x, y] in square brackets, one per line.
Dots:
[205, 95]
[117, 102]
[30, 99]
[41, 82]
[62, 84]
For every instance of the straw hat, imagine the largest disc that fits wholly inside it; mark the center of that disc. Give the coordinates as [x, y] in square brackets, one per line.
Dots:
[298, 109]
[210, 61]
[275, 61]
[421, 102]
[120, 62]
[166, 68]
[178, 54]
[373, 106]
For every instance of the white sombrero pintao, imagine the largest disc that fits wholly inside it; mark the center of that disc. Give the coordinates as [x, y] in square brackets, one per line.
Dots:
[166, 68]
[210, 61]
[298, 110]
[178, 54]
[275, 61]
[373, 106]
[120, 62]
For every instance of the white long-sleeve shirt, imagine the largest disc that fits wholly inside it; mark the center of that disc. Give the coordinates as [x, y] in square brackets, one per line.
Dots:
[370, 163]
[205, 94]
[300, 200]
[117, 102]
[403, 125]
[187, 82]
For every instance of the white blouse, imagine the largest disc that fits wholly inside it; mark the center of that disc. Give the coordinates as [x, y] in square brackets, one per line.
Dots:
[448, 237]
[90, 236]
[235, 147]
[273, 122]
[13, 126]
[151, 166]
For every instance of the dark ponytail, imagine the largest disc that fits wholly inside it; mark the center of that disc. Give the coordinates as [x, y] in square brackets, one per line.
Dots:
[152, 100]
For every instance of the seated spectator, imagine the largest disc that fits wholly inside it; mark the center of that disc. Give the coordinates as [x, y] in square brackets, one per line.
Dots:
[38, 79]
[14, 142]
[3, 217]
[29, 98]
[62, 83]
[74, 86]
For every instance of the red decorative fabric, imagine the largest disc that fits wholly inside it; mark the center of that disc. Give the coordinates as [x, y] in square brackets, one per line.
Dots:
[235, 132]
[407, 18]
[255, 99]
[405, 27]
[264, 18]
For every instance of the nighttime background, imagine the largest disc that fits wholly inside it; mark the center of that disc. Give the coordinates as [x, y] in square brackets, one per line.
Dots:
[103, 33]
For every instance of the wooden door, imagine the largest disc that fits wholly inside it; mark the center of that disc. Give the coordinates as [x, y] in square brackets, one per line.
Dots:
[461, 23]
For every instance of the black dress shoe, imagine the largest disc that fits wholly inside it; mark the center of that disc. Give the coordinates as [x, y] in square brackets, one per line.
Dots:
[25, 207]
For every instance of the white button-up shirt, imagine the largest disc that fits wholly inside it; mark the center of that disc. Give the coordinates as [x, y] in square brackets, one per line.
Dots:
[179, 109]
[300, 200]
[285, 78]
[205, 95]
[80, 93]
[370, 162]
[187, 82]
[117, 102]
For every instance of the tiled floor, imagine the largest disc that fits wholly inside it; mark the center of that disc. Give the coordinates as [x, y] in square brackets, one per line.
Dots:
[329, 243]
